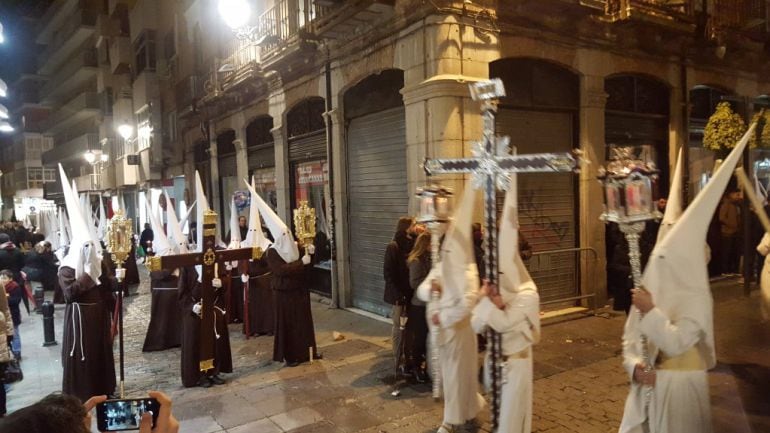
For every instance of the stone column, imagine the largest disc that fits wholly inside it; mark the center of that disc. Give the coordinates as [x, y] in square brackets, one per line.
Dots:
[282, 172]
[592, 270]
[336, 122]
[241, 158]
[213, 197]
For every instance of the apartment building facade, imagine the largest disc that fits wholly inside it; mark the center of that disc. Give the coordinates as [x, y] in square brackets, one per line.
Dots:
[338, 102]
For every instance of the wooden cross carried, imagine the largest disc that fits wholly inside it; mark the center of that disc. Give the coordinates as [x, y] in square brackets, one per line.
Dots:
[207, 258]
[491, 166]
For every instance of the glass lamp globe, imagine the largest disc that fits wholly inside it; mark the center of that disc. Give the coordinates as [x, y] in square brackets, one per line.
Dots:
[104, 157]
[90, 157]
[235, 13]
[126, 131]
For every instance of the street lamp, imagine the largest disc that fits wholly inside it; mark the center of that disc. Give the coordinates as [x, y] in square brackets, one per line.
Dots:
[126, 131]
[97, 159]
[236, 14]
[5, 126]
[3, 89]
[2, 37]
[3, 112]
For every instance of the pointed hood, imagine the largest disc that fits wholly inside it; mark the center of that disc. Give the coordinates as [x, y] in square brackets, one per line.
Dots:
[82, 255]
[255, 237]
[203, 206]
[101, 229]
[176, 238]
[676, 274]
[514, 277]
[186, 215]
[64, 228]
[88, 216]
[457, 250]
[235, 231]
[283, 242]
[160, 243]
[674, 202]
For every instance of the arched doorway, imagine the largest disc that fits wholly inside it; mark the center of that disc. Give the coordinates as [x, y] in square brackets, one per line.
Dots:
[228, 177]
[540, 114]
[377, 188]
[309, 179]
[261, 161]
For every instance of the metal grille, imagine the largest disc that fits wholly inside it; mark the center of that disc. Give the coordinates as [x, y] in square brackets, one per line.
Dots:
[547, 201]
[261, 157]
[308, 147]
[378, 196]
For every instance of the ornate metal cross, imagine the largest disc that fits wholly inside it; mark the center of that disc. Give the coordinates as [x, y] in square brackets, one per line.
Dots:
[491, 166]
[207, 259]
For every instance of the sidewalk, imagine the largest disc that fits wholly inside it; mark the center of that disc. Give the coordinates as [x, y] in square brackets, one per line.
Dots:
[580, 385]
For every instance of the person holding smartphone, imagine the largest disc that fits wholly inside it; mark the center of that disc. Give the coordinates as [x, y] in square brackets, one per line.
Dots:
[64, 413]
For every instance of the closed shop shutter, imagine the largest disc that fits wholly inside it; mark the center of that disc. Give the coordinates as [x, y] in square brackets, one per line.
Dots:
[261, 156]
[378, 196]
[547, 202]
[308, 146]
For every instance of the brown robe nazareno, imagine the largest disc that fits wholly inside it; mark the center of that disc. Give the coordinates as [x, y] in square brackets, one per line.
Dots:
[294, 332]
[165, 328]
[87, 318]
[261, 303]
[189, 295]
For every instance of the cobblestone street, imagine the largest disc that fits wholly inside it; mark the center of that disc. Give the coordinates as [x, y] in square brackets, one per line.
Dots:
[580, 385]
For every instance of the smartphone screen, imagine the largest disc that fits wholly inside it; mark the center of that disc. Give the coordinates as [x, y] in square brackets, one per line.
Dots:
[119, 415]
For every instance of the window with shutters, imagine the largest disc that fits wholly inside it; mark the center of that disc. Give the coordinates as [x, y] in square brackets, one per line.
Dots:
[144, 52]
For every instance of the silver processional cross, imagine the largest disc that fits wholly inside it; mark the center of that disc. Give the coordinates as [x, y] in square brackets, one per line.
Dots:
[490, 167]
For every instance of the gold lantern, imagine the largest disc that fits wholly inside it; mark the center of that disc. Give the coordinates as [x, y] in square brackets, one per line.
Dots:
[304, 224]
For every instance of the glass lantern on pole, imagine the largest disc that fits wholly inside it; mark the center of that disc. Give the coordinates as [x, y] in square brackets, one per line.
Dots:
[435, 211]
[119, 234]
[630, 191]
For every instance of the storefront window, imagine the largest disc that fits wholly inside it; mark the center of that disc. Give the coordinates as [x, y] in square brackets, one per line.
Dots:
[265, 186]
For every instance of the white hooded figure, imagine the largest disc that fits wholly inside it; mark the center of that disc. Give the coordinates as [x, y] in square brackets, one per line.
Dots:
[458, 279]
[87, 363]
[764, 281]
[84, 255]
[677, 320]
[176, 238]
[515, 314]
[255, 237]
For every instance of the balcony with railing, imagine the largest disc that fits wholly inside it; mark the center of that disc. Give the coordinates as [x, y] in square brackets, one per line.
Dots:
[120, 54]
[73, 74]
[78, 109]
[743, 17]
[336, 19]
[187, 92]
[54, 16]
[72, 149]
[677, 15]
[77, 28]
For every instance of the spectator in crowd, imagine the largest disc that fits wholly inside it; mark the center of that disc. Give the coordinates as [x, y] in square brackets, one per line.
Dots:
[146, 238]
[14, 295]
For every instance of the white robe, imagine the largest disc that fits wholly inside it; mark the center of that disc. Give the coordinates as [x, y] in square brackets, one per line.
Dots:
[519, 333]
[457, 349]
[680, 399]
[764, 281]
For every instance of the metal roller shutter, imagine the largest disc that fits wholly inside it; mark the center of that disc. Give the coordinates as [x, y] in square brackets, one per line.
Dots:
[377, 197]
[308, 146]
[261, 156]
[547, 202]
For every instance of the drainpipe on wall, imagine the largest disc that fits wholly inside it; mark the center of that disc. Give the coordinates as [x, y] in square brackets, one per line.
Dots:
[335, 301]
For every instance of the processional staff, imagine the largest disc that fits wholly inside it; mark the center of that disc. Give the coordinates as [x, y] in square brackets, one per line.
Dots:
[490, 167]
[119, 233]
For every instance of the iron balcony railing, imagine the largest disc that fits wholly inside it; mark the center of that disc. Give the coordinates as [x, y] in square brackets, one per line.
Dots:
[74, 148]
[74, 22]
[84, 101]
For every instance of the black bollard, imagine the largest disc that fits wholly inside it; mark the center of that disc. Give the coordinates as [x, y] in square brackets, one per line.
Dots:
[39, 295]
[48, 331]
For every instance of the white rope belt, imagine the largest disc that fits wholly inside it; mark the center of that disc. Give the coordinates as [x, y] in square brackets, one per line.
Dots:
[165, 288]
[75, 329]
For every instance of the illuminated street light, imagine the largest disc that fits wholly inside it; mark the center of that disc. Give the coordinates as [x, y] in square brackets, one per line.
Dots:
[126, 131]
[3, 112]
[90, 157]
[3, 89]
[2, 38]
[5, 126]
[235, 13]
[105, 157]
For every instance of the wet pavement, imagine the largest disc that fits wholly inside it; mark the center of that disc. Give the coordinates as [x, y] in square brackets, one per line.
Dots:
[579, 382]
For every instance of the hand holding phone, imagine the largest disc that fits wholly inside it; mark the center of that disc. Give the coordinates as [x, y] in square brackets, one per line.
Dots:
[126, 414]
